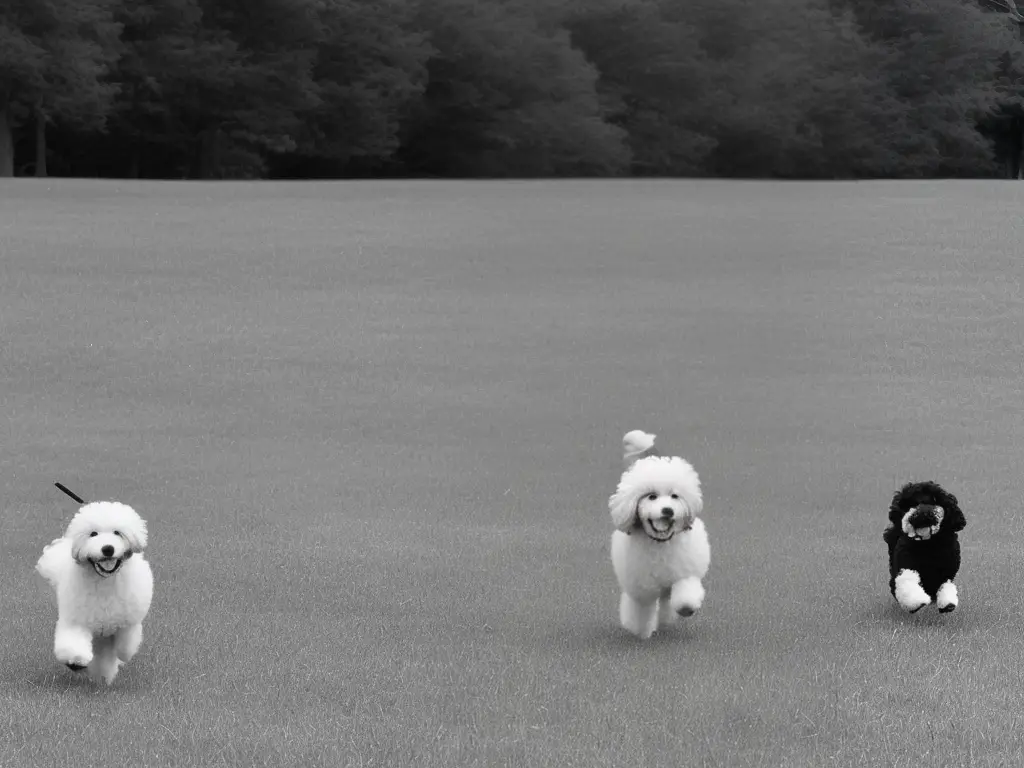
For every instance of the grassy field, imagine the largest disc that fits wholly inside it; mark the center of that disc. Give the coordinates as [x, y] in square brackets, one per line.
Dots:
[374, 426]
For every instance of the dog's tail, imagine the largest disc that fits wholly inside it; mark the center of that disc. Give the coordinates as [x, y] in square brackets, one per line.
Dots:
[637, 445]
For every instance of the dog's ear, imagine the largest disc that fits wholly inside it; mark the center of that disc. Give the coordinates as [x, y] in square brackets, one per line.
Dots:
[693, 499]
[77, 543]
[953, 519]
[623, 506]
[136, 536]
[900, 504]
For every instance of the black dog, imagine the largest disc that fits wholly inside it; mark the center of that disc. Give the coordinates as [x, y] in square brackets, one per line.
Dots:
[924, 550]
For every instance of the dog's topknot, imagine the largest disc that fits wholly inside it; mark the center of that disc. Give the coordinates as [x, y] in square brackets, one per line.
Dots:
[637, 445]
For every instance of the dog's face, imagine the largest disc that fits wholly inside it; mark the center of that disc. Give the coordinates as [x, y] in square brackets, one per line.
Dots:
[660, 495]
[923, 510]
[104, 535]
[923, 521]
[662, 513]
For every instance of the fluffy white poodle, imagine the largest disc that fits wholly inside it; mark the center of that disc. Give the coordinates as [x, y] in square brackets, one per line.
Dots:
[660, 550]
[104, 587]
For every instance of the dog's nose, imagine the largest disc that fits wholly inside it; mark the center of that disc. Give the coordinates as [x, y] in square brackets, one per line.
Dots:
[108, 551]
[924, 514]
[666, 512]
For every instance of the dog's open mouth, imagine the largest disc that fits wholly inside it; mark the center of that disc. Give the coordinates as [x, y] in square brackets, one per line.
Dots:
[659, 528]
[107, 567]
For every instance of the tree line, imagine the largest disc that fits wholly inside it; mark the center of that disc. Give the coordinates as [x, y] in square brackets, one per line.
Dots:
[354, 88]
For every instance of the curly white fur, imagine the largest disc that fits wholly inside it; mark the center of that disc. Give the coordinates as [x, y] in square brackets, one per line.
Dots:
[908, 590]
[637, 445]
[103, 585]
[660, 552]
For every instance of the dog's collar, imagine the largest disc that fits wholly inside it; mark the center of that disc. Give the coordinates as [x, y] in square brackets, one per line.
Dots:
[929, 540]
[657, 541]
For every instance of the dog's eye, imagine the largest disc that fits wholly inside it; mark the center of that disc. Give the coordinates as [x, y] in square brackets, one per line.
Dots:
[675, 495]
[93, 534]
[652, 496]
[117, 533]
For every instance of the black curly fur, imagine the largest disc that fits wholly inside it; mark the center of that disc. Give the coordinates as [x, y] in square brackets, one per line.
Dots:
[937, 559]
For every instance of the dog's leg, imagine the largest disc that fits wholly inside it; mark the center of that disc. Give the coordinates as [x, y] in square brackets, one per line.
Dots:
[909, 593]
[639, 618]
[666, 616]
[687, 596]
[72, 645]
[127, 641]
[104, 662]
[946, 599]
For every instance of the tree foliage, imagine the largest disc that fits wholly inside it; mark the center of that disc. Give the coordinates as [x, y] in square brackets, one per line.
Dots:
[334, 88]
[505, 96]
[54, 58]
[368, 70]
[657, 83]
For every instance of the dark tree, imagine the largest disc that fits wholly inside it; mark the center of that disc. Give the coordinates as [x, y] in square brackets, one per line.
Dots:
[54, 55]
[656, 81]
[368, 71]
[946, 56]
[506, 97]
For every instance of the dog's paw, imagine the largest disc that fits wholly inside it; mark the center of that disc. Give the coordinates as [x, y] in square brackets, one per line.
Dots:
[908, 592]
[75, 661]
[914, 602]
[947, 598]
[106, 672]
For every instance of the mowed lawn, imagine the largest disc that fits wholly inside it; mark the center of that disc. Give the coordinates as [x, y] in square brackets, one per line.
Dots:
[374, 426]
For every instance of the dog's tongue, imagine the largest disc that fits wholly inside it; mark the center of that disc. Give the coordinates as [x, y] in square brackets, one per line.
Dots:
[107, 565]
[661, 525]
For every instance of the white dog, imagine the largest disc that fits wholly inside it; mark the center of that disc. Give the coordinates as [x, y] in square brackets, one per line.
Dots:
[660, 550]
[104, 587]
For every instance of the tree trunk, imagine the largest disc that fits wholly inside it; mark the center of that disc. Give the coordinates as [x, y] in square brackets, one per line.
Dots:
[40, 143]
[206, 163]
[1015, 150]
[134, 163]
[135, 139]
[1018, 146]
[6, 141]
